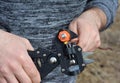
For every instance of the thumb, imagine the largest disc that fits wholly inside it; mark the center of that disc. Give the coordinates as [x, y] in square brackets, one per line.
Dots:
[73, 27]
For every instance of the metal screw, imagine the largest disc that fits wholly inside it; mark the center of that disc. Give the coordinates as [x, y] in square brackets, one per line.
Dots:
[59, 54]
[63, 35]
[44, 55]
[72, 61]
[79, 49]
[53, 60]
[83, 64]
[74, 45]
[63, 70]
[38, 52]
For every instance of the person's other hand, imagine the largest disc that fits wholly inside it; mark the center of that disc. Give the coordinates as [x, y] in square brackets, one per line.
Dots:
[15, 64]
[87, 27]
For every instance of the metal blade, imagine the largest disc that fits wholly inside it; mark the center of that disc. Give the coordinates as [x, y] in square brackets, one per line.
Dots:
[88, 61]
[86, 54]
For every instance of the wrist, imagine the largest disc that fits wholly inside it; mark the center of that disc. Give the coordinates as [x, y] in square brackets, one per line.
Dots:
[100, 16]
[97, 16]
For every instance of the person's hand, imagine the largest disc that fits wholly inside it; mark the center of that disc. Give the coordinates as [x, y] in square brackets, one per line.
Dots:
[15, 64]
[87, 27]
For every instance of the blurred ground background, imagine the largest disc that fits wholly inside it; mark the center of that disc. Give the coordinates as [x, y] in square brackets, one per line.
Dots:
[106, 68]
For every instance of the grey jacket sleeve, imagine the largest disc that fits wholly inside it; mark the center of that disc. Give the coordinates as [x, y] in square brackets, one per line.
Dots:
[109, 7]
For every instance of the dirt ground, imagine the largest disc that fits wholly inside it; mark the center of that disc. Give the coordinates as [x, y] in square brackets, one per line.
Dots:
[106, 68]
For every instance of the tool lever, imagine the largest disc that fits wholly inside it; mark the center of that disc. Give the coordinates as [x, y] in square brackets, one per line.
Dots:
[44, 60]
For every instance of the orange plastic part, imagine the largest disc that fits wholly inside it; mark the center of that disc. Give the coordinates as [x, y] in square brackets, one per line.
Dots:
[64, 36]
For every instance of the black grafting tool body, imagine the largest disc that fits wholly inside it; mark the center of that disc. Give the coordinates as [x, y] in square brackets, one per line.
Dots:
[68, 56]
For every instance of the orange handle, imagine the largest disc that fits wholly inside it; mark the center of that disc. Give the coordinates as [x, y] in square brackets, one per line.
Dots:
[64, 36]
